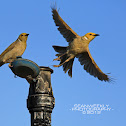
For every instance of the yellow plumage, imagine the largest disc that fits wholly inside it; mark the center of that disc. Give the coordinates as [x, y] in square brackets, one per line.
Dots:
[17, 48]
[78, 47]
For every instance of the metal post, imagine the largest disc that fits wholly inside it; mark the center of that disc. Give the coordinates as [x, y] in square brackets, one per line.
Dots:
[40, 102]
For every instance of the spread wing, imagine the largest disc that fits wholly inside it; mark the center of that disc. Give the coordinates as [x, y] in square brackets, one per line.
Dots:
[64, 29]
[91, 67]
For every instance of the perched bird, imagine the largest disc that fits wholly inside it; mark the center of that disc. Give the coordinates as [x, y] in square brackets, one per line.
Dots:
[17, 48]
[78, 47]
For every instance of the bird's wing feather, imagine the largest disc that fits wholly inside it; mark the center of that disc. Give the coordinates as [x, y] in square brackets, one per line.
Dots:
[91, 67]
[64, 29]
[8, 49]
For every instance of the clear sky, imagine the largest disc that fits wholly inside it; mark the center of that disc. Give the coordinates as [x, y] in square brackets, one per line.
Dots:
[105, 17]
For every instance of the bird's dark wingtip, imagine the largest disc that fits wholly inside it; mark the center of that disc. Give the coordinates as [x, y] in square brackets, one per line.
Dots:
[53, 6]
[109, 79]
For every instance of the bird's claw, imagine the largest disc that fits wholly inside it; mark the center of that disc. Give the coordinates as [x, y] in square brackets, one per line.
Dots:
[10, 65]
[56, 65]
[57, 59]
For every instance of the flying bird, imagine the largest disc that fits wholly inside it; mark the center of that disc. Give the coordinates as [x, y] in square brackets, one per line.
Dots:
[77, 47]
[17, 48]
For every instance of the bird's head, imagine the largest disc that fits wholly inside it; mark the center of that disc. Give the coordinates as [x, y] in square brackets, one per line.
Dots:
[23, 36]
[90, 36]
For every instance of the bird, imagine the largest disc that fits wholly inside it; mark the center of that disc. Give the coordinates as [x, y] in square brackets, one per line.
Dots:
[78, 47]
[16, 49]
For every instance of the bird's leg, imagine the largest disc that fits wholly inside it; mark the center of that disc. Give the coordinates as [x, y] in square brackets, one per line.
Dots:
[10, 61]
[64, 62]
[59, 57]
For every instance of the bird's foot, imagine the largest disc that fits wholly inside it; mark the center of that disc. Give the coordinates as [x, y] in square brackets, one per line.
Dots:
[10, 65]
[57, 59]
[56, 65]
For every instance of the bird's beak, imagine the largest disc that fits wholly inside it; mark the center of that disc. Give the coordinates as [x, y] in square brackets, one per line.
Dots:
[96, 35]
[26, 34]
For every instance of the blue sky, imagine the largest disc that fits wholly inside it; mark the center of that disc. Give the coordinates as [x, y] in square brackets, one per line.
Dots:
[107, 18]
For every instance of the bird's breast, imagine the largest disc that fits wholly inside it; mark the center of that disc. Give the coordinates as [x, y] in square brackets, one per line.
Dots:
[78, 46]
[19, 48]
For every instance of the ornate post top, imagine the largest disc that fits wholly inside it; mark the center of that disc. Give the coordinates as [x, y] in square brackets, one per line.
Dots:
[40, 102]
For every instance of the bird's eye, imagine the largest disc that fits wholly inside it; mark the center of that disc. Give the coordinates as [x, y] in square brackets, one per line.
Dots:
[21, 35]
[90, 34]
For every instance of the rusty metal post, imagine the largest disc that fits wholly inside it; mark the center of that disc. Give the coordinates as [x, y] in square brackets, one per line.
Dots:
[41, 101]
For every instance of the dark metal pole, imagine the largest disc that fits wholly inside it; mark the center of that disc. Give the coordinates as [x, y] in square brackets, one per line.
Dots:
[40, 102]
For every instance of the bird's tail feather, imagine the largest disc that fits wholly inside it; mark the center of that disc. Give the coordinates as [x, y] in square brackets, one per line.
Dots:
[1, 63]
[62, 56]
[60, 49]
[68, 67]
